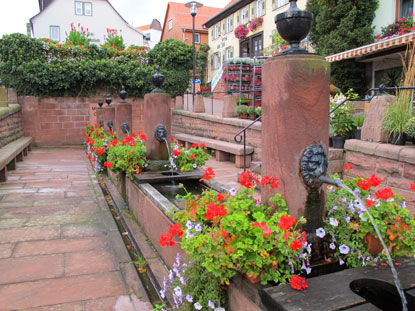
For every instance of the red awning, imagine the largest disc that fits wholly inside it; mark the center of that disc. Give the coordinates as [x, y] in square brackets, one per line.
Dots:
[373, 48]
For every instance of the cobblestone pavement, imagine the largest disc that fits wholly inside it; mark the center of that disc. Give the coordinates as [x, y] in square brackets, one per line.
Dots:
[59, 246]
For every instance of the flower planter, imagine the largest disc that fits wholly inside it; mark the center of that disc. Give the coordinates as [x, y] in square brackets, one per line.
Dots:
[358, 133]
[373, 244]
[338, 142]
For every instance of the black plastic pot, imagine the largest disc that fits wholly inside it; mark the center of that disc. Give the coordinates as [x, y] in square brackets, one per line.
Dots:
[331, 142]
[398, 139]
[338, 142]
[358, 133]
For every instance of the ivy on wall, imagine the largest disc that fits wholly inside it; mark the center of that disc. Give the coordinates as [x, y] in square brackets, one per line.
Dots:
[43, 68]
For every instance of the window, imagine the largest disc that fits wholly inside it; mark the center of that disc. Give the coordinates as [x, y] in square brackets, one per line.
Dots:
[170, 24]
[229, 24]
[406, 7]
[260, 8]
[278, 3]
[215, 60]
[83, 8]
[229, 53]
[54, 33]
[197, 38]
[216, 31]
[245, 16]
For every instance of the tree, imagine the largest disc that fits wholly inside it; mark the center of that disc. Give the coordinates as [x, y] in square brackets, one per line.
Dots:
[341, 25]
[201, 61]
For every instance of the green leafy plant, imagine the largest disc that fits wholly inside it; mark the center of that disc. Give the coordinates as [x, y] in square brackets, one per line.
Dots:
[251, 110]
[230, 233]
[410, 127]
[258, 111]
[348, 228]
[113, 40]
[78, 36]
[358, 120]
[128, 156]
[243, 109]
[396, 116]
[188, 160]
[341, 119]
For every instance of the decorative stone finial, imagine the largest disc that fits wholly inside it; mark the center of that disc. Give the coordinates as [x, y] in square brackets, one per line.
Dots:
[123, 94]
[294, 25]
[157, 79]
[108, 100]
[100, 103]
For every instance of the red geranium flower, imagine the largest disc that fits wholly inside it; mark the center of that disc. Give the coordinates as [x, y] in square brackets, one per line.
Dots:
[348, 166]
[263, 226]
[286, 222]
[194, 146]
[374, 181]
[385, 194]
[166, 239]
[192, 156]
[175, 229]
[412, 187]
[298, 283]
[295, 245]
[209, 174]
[176, 152]
[369, 203]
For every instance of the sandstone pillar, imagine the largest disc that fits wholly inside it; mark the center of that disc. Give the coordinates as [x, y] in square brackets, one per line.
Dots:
[229, 106]
[295, 115]
[156, 112]
[109, 115]
[372, 127]
[100, 115]
[123, 115]
[199, 104]
[179, 102]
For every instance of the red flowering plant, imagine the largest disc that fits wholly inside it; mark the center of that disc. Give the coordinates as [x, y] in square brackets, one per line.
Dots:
[187, 160]
[253, 24]
[235, 232]
[127, 156]
[348, 229]
[241, 32]
[401, 27]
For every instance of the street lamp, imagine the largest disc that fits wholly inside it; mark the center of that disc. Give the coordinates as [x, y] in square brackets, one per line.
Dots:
[193, 5]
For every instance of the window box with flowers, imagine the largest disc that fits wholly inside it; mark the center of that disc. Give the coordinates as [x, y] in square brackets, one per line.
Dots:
[241, 32]
[253, 24]
[403, 26]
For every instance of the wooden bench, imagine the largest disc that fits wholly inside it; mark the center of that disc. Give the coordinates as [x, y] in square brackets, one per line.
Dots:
[223, 149]
[12, 152]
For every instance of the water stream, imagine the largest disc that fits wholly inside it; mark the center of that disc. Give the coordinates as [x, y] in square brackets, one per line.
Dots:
[388, 255]
[170, 157]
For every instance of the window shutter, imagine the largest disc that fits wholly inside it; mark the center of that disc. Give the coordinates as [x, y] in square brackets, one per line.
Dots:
[238, 18]
[211, 59]
[212, 32]
[231, 23]
[263, 7]
[273, 4]
[223, 56]
[232, 52]
[253, 8]
[223, 26]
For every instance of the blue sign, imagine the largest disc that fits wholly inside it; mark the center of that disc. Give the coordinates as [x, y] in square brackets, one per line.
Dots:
[197, 81]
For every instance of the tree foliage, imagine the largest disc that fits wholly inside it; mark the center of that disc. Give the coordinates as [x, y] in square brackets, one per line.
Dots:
[340, 25]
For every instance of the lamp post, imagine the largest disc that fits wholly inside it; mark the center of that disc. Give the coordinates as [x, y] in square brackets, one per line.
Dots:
[193, 5]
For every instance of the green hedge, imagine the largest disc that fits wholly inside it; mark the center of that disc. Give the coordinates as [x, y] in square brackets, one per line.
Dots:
[43, 68]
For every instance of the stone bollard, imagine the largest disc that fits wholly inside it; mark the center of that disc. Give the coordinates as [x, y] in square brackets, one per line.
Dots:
[179, 103]
[229, 106]
[372, 127]
[100, 113]
[295, 116]
[156, 112]
[199, 104]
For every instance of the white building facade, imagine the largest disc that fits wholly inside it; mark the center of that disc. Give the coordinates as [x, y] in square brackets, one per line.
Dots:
[56, 16]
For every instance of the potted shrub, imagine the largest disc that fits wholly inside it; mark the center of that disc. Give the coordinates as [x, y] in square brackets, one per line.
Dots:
[396, 117]
[251, 112]
[341, 122]
[258, 111]
[358, 120]
[244, 111]
[410, 129]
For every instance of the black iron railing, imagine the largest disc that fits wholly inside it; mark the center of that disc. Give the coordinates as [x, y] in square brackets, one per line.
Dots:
[241, 136]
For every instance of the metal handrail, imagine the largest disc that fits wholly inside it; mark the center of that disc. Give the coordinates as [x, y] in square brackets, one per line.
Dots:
[241, 135]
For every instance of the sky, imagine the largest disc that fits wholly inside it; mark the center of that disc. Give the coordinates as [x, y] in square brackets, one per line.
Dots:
[14, 14]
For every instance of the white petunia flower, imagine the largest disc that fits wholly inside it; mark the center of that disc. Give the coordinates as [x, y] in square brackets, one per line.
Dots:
[320, 233]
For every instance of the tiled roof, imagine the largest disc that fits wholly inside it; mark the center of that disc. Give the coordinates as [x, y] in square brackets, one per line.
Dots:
[184, 19]
[144, 27]
[230, 3]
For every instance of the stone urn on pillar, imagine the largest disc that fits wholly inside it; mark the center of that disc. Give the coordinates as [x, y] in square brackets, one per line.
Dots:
[295, 121]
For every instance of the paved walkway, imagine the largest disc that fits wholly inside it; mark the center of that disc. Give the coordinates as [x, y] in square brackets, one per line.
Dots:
[59, 246]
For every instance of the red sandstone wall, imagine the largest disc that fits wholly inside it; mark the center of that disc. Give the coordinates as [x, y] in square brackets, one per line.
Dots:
[394, 165]
[11, 128]
[56, 121]
[217, 128]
